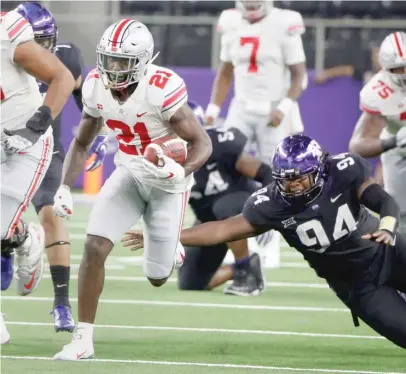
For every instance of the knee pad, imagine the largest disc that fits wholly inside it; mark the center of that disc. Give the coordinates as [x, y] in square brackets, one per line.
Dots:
[153, 270]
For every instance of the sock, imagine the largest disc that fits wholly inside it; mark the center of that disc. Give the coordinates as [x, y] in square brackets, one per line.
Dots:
[60, 278]
[85, 330]
[240, 265]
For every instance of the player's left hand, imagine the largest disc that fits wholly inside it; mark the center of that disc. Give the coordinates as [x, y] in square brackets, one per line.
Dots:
[380, 236]
[276, 118]
[134, 239]
[171, 170]
[99, 149]
[18, 140]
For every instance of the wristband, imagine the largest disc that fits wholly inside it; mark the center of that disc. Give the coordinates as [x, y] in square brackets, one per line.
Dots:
[388, 223]
[212, 110]
[388, 144]
[285, 105]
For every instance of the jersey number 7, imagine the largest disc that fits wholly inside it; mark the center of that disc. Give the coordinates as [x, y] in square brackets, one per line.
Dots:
[254, 41]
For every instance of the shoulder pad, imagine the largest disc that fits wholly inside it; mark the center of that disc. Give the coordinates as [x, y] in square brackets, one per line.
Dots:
[229, 20]
[293, 22]
[89, 86]
[18, 28]
[371, 99]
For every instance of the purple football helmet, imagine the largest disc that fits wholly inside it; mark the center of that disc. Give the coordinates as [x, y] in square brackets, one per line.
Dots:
[42, 22]
[297, 156]
[198, 111]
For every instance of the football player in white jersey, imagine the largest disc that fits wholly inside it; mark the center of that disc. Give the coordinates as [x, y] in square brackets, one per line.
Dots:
[141, 102]
[26, 144]
[381, 129]
[260, 46]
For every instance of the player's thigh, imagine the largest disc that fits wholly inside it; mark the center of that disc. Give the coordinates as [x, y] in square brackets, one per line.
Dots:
[50, 184]
[296, 123]
[199, 266]
[384, 311]
[230, 204]
[118, 206]
[163, 221]
[236, 117]
[21, 176]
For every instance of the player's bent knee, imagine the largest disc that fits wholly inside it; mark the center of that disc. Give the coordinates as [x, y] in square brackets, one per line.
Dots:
[97, 249]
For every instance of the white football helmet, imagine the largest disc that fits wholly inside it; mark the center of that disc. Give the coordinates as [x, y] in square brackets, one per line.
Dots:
[254, 10]
[392, 55]
[124, 53]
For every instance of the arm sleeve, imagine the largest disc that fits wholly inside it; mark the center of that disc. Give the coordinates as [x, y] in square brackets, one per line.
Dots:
[90, 106]
[175, 96]
[255, 212]
[292, 48]
[73, 61]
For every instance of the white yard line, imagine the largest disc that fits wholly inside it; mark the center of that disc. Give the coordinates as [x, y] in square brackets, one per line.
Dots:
[211, 330]
[174, 280]
[190, 304]
[212, 365]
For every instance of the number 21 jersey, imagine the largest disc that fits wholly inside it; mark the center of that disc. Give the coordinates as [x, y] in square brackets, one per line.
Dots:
[140, 120]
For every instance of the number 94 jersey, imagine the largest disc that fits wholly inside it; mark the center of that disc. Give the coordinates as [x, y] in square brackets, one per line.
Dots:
[328, 231]
[140, 120]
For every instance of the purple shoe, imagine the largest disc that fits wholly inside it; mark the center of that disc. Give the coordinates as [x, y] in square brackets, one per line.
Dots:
[63, 320]
[7, 271]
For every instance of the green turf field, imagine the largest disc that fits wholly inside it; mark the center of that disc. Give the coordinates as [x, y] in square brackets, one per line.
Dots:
[297, 325]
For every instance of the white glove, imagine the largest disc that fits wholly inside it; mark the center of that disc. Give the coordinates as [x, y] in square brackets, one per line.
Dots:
[14, 143]
[264, 238]
[63, 203]
[171, 170]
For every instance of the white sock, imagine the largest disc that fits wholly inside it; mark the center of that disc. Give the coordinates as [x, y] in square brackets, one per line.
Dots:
[85, 330]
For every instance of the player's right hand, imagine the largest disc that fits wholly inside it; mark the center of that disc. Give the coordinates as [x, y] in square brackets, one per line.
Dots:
[14, 141]
[63, 202]
[134, 239]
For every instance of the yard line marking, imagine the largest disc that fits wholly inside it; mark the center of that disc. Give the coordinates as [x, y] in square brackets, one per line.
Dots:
[203, 329]
[174, 280]
[206, 364]
[191, 304]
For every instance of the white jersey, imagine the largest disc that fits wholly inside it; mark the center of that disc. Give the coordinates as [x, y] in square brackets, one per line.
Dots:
[20, 96]
[142, 119]
[381, 96]
[260, 53]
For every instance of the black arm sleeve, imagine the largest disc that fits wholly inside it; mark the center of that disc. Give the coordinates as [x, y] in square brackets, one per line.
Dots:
[264, 174]
[378, 200]
[77, 95]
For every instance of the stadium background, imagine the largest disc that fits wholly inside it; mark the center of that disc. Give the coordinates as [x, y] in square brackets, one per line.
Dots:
[297, 325]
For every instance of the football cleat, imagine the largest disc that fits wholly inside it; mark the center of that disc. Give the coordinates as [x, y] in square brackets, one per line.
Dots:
[30, 260]
[63, 319]
[179, 256]
[248, 282]
[5, 336]
[7, 271]
[78, 349]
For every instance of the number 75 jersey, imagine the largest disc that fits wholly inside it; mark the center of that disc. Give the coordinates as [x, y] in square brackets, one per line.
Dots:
[328, 230]
[140, 120]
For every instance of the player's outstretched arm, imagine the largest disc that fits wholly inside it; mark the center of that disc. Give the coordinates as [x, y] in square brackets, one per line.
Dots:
[46, 67]
[365, 139]
[185, 124]
[254, 169]
[211, 233]
[77, 154]
[374, 197]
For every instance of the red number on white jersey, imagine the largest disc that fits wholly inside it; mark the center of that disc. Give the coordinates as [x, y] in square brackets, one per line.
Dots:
[384, 89]
[128, 134]
[160, 79]
[254, 40]
[2, 94]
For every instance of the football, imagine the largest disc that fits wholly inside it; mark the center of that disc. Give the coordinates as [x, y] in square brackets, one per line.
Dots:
[174, 148]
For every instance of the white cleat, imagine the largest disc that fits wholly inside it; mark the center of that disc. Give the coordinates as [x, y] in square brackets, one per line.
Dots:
[5, 336]
[78, 349]
[179, 256]
[30, 260]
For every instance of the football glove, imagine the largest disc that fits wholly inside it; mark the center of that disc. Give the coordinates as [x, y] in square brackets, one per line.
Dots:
[99, 149]
[171, 170]
[63, 202]
[17, 140]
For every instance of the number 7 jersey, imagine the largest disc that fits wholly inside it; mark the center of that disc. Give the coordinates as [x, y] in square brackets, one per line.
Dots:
[140, 120]
[327, 231]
